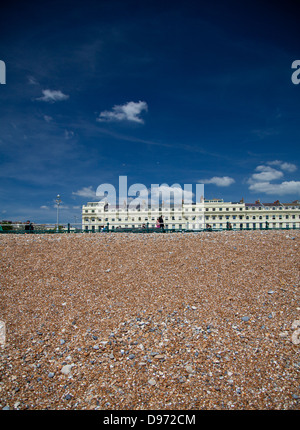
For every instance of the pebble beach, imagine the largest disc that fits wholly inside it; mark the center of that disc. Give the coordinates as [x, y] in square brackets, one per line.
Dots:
[124, 321]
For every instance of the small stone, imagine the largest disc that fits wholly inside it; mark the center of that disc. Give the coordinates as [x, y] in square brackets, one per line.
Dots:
[283, 334]
[245, 318]
[131, 356]
[50, 374]
[189, 369]
[66, 370]
[68, 397]
[152, 381]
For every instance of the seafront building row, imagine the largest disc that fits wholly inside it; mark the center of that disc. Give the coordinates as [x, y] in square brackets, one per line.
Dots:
[215, 214]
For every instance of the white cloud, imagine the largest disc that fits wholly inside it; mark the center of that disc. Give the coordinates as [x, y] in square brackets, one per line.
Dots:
[44, 207]
[288, 167]
[223, 181]
[261, 182]
[127, 112]
[266, 173]
[85, 192]
[52, 96]
[286, 187]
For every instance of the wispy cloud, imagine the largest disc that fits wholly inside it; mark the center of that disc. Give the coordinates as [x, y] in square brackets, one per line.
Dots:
[127, 112]
[48, 118]
[223, 181]
[32, 80]
[68, 134]
[52, 96]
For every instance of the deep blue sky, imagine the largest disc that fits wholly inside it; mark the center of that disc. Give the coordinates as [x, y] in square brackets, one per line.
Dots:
[163, 92]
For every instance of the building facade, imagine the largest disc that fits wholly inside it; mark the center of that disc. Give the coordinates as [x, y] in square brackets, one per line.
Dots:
[214, 214]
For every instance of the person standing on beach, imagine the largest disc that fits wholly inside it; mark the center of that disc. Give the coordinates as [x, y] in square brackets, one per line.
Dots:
[161, 223]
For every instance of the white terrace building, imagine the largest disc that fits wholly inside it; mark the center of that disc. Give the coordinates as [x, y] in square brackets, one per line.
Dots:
[215, 213]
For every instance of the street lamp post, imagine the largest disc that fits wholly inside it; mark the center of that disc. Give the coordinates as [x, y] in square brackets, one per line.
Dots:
[58, 201]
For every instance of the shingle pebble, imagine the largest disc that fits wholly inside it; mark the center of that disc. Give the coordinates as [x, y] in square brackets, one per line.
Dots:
[150, 321]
